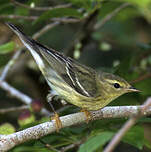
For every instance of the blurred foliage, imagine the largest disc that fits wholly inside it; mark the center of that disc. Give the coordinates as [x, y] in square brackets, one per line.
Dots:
[6, 48]
[122, 46]
[95, 142]
[6, 128]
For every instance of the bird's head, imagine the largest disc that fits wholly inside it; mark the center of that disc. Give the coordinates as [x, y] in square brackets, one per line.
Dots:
[115, 86]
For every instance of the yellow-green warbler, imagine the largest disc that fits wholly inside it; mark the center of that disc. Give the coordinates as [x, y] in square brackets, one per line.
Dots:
[73, 82]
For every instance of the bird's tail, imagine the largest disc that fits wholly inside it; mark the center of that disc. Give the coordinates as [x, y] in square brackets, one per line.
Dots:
[21, 35]
[15, 29]
[31, 44]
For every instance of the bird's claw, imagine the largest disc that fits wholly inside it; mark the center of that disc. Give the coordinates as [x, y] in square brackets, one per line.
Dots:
[58, 122]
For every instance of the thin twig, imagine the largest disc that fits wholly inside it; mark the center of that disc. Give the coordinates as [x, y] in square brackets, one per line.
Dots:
[15, 93]
[142, 77]
[66, 20]
[13, 109]
[110, 15]
[9, 141]
[19, 95]
[18, 17]
[45, 29]
[117, 138]
[48, 146]
[32, 18]
[9, 65]
[40, 8]
[66, 148]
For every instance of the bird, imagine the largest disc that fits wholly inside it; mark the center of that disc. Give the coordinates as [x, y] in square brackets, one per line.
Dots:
[76, 83]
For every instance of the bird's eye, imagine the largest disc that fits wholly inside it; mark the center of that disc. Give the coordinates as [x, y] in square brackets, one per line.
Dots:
[116, 85]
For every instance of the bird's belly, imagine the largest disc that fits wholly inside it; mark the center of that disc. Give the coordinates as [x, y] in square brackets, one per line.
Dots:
[71, 96]
[87, 103]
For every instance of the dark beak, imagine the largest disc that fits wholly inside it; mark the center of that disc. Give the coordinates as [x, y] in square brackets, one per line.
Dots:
[132, 89]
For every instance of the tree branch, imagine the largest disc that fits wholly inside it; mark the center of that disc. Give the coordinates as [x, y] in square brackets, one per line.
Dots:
[32, 18]
[9, 141]
[64, 149]
[110, 15]
[19, 95]
[9, 65]
[141, 78]
[13, 109]
[15, 93]
[45, 29]
[18, 17]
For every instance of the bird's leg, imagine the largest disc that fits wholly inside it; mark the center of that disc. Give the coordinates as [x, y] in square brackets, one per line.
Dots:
[58, 122]
[87, 114]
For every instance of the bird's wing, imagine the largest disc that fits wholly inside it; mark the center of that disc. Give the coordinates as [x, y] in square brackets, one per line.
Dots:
[79, 77]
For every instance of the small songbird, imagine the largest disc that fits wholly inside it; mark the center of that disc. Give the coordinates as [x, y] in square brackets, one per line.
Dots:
[75, 83]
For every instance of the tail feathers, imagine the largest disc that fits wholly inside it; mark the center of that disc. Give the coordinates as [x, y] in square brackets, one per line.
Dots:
[27, 41]
[16, 30]
[42, 55]
[30, 44]
[24, 38]
[13, 27]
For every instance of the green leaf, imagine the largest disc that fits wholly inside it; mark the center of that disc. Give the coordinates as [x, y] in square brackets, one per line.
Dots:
[6, 129]
[139, 3]
[59, 12]
[95, 142]
[147, 143]
[7, 47]
[143, 6]
[135, 137]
